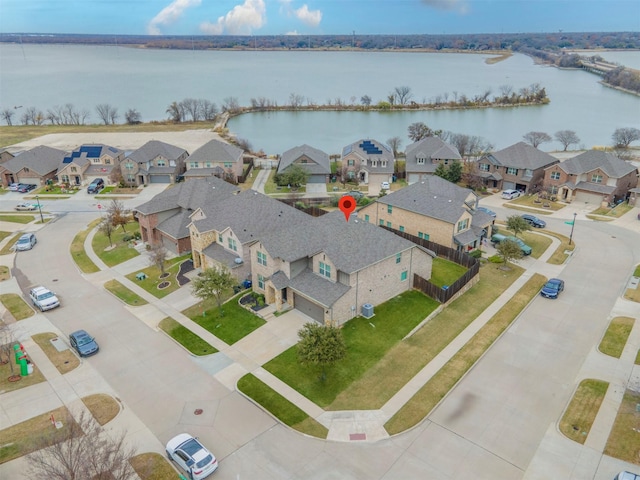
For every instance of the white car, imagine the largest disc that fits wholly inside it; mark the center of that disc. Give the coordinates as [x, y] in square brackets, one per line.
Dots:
[25, 207]
[385, 186]
[510, 194]
[43, 298]
[191, 456]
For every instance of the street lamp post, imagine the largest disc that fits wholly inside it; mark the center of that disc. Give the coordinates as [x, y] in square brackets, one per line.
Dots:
[573, 224]
[39, 209]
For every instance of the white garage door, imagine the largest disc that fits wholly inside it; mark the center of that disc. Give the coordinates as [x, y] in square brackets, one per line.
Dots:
[33, 180]
[590, 198]
[413, 178]
[160, 178]
[508, 186]
[309, 308]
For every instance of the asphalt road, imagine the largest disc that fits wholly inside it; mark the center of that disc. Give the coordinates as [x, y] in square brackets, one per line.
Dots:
[489, 427]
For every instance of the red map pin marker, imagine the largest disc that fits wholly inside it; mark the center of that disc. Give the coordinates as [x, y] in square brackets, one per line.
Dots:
[347, 205]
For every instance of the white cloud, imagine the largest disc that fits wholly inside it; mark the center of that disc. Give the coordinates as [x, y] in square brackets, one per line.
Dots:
[241, 20]
[460, 6]
[170, 14]
[292, 33]
[308, 17]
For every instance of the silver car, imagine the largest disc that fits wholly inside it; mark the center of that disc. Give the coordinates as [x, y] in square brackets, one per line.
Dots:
[26, 242]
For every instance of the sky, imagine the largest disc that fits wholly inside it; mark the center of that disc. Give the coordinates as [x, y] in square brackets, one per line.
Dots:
[316, 17]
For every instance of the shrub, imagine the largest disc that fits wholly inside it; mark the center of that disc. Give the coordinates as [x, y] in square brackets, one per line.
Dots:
[477, 253]
[496, 259]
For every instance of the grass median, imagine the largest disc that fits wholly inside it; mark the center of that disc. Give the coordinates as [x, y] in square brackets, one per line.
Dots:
[153, 466]
[615, 338]
[124, 294]
[623, 440]
[579, 416]
[419, 406]
[186, 337]
[280, 407]
[64, 360]
[16, 306]
[84, 263]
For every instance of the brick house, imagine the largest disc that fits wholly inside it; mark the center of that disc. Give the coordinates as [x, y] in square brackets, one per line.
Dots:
[215, 159]
[594, 177]
[89, 162]
[153, 162]
[424, 156]
[368, 162]
[434, 209]
[314, 161]
[331, 268]
[519, 167]
[35, 166]
[165, 218]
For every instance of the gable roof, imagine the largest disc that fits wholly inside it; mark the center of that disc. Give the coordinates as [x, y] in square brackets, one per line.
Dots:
[188, 195]
[432, 197]
[593, 159]
[429, 148]
[322, 163]
[351, 246]
[216, 151]
[41, 160]
[156, 148]
[521, 155]
[249, 215]
[84, 153]
[368, 148]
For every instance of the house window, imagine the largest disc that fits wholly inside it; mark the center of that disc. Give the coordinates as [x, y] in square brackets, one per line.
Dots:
[381, 222]
[65, 178]
[374, 163]
[351, 174]
[389, 224]
[366, 218]
[350, 163]
[207, 164]
[325, 270]
[162, 163]
[74, 169]
[129, 165]
[403, 276]
[193, 164]
[232, 244]
[398, 257]
[220, 238]
[383, 163]
[107, 161]
[596, 178]
[262, 259]
[484, 167]
[131, 178]
[424, 236]
[260, 281]
[512, 171]
[303, 160]
[555, 175]
[96, 160]
[420, 161]
[463, 224]
[389, 208]
[554, 189]
[401, 228]
[228, 164]
[528, 172]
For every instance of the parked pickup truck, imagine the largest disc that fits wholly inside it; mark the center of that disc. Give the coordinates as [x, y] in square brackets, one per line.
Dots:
[497, 238]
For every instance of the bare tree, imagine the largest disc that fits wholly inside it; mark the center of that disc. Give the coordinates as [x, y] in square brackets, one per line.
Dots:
[7, 115]
[176, 112]
[119, 216]
[106, 226]
[85, 451]
[295, 100]
[403, 94]
[394, 143]
[209, 110]
[230, 104]
[536, 138]
[418, 131]
[623, 137]
[244, 144]
[132, 116]
[566, 138]
[158, 256]
[107, 113]
[7, 341]
[365, 100]
[191, 107]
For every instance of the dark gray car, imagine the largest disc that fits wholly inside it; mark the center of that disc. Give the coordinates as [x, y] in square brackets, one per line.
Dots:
[83, 343]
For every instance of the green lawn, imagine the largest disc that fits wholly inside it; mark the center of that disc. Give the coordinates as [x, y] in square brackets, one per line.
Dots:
[582, 410]
[419, 406]
[16, 306]
[8, 247]
[186, 337]
[280, 407]
[78, 254]
[615, 338]
[636, 272]
[124, 294]
[367, 340]
[153, 466]
[624, 439]
[234, 324]
[445, 272]
[150, 284]
[17, 218]
[122, 250]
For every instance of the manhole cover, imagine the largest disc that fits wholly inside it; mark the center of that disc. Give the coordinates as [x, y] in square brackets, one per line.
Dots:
[197, 411]
[54, 280]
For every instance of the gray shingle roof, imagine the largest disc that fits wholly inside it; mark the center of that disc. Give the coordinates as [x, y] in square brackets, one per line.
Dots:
[593, 159]
[188, 195]
[176, 225]
[595, 187]
[521, 155]
[466, 237]
[216, 151]
[41, 160]
[385, 154]
[429, 148]
[155, 148]
[351, 246]
[433, 197]
[204, 172]
[221, 255]
[249, 215]
[317, 288]
[322, 163]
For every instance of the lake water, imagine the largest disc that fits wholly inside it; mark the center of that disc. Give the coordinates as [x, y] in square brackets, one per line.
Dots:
[43, 76]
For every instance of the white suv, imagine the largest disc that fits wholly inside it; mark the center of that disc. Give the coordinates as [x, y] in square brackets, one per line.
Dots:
[43, 298]
[510, 194]
[192, 456]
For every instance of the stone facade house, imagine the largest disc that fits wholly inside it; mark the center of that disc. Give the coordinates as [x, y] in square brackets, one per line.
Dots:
[519, 167]
[215, 159]
[314, 161]
[165, 218]
[433, 209]
[153, 162]
[88, 162]
[368, 162]
[424, 156]
[331, 269]
[35, 166]
[594, 177]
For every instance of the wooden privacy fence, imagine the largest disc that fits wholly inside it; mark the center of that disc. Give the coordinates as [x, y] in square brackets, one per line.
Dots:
[443, 295]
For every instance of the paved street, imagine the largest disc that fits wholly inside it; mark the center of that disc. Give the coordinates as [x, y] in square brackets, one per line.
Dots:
[498, 423]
